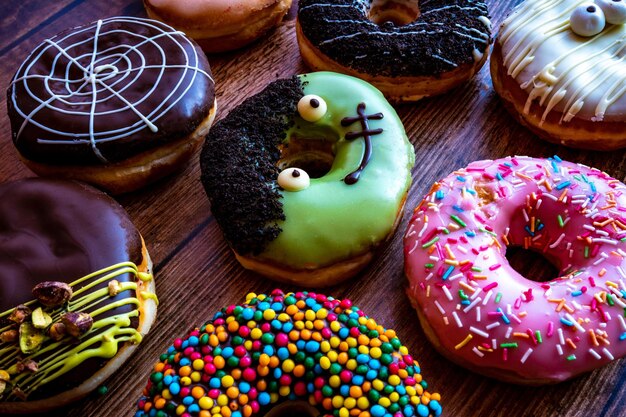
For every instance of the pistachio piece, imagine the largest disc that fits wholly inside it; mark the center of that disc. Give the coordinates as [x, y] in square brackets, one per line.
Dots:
[57, 331]
[52, 293]
[8, 336]
[31, 338]
[4, 378]
[20, 314]
[21, 395]
[77, 324]
[114, 287]
[27, 365]
[40, 318]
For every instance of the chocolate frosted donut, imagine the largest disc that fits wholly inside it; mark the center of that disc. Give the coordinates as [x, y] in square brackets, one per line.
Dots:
[59, 232]
[118, 91]
[396, 44]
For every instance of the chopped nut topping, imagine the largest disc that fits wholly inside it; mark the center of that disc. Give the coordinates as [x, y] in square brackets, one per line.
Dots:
[77, 324]
[52, 293]
[31, 338]
[114, 287]
[57, 331]
[8, 336]
[20, 314]
[28, 365]
[40, 318]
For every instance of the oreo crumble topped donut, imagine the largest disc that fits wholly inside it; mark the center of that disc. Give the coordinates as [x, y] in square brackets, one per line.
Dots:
[76, 292]
[308, 177]
[479, 311]
[118, 103]
[261, 357]
[407, 49]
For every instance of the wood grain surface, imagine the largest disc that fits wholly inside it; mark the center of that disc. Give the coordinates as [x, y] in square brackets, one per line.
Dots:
[196, 274]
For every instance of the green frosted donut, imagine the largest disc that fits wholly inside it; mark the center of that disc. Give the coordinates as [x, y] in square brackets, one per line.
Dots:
[355, 152]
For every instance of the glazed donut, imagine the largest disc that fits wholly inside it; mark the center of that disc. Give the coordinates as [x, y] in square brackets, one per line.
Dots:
[283, 348]
[481, 313]
[566, 87]
[223, 25]
[118, 103]
[407, 50]
[76, 292]
[345, 162]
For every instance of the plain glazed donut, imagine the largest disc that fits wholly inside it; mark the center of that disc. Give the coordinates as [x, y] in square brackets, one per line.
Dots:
[481, 313]
[566, 88]
[284, 348]
[307, 178]
[76, 292]
[117, 103]
[220, 25]
[408, 50]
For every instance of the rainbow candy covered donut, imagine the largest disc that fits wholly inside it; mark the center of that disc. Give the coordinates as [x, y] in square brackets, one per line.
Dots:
[484, 315]
[286, 347]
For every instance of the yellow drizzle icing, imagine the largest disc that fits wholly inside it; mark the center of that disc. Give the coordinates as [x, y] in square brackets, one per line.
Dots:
[55, 358]
[575, 75]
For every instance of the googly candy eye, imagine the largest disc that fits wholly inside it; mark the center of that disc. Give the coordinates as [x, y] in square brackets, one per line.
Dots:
[312, 108]
[614, 10]
[587, 20]
[294, 179]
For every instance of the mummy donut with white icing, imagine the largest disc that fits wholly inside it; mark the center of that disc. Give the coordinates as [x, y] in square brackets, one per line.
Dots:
[407, 49]
[559, 67]
[479, 311]
[118, 103]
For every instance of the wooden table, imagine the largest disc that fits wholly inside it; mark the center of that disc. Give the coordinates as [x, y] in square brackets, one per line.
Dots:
[197, 274]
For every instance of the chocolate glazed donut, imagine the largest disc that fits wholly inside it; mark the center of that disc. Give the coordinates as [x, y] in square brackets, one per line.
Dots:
[65, 232]
[106, 93]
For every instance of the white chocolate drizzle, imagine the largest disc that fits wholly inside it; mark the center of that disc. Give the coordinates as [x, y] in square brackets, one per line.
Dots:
[576, 76]
[107, 75]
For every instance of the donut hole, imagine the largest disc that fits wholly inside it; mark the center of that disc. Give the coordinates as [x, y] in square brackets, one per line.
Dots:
[531, 264]
[315, 156]
[293, 408]
[397, 13]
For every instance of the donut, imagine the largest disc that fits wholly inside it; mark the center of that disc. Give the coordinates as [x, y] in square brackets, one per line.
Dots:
[407, 50]
[76, 292]
[558, 67]
[117, 103]
[222, 25]
[484, 315]
[288, 354]
[308, 177]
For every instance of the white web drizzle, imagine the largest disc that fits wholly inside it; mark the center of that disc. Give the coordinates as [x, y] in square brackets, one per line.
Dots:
[105, 81]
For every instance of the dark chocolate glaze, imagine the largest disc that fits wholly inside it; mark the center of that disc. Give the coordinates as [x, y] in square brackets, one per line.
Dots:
[52, 230]
[365, 133]
[172, 87]
[238, 164]
[442, 38]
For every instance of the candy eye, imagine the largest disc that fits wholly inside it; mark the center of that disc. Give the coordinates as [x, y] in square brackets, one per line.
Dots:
[587, 20]
[312, 108]
[293, 179]
[614, 10]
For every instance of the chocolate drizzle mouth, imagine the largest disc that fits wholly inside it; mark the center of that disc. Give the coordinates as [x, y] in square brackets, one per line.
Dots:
[366, 134]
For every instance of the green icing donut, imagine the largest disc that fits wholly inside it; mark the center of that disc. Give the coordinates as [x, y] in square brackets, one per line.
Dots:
[331, 220]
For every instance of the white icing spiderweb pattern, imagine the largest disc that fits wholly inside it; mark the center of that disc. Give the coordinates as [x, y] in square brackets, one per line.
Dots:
[92, 76]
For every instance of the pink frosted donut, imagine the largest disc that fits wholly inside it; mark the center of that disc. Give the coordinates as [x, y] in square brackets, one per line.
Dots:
[481, 313]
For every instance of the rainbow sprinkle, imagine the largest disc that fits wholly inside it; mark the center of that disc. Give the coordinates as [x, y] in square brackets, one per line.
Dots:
[288, 346]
